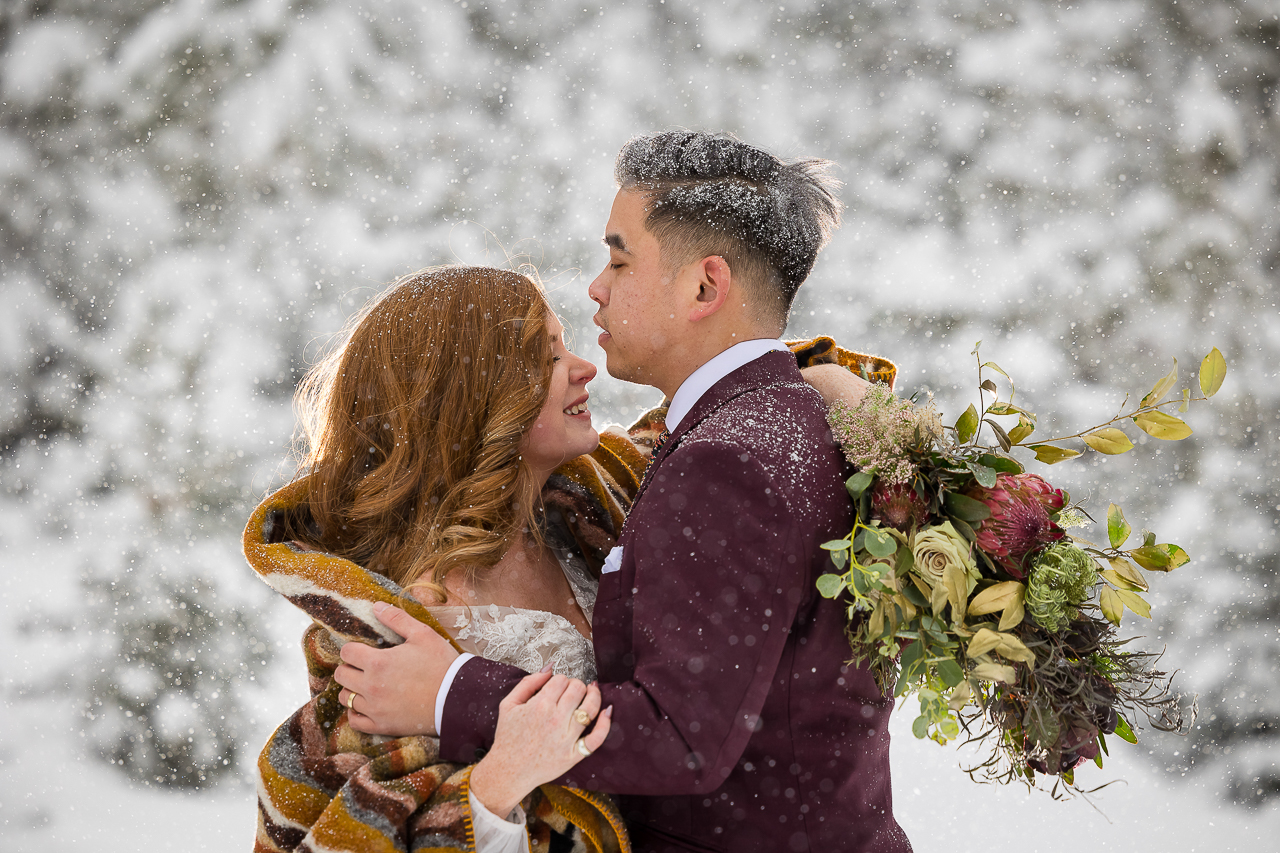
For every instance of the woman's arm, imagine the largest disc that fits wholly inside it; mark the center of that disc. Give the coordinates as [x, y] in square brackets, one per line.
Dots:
[834, 383]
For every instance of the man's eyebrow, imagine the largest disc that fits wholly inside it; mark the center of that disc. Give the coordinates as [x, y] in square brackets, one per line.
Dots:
[614, 241]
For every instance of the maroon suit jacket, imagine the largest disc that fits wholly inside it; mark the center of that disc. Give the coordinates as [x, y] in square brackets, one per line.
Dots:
[737, 725]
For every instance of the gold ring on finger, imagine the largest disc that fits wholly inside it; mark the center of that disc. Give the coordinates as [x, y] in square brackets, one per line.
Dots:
[351, 700]
[582, 747]
[581, 717]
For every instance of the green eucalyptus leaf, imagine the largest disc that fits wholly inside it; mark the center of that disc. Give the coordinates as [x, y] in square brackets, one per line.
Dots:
[859, 482]
[829, 586]
[920, 727]
[985, 476]
[840, 559]
[880, 544]
[835, 545]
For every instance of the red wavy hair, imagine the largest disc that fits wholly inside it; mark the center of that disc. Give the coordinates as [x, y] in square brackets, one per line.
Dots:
[413, 426]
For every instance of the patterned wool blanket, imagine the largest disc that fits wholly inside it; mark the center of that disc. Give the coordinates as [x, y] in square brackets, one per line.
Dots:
[324, 786]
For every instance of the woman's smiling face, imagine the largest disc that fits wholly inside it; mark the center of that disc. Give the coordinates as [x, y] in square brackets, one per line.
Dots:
[563, 429]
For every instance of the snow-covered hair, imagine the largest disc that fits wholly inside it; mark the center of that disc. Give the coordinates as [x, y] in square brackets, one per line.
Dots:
[712, 194]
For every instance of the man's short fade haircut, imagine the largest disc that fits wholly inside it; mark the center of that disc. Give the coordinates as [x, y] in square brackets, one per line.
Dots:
[712, 194]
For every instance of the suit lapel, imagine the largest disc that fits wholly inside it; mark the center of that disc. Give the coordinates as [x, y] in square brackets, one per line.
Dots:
[772, 368]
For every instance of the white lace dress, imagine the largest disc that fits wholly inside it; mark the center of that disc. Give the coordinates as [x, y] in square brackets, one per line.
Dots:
[529, 639]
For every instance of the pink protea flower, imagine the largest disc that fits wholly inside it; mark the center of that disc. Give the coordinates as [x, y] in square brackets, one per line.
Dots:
[1019, 524]
[897, 505]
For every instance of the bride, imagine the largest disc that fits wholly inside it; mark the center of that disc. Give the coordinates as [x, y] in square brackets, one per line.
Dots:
[432, 432]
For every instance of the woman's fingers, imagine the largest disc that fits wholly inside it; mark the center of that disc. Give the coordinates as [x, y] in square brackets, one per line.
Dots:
[571, 698]
[590, 705]
[595, 738]
[526, 688]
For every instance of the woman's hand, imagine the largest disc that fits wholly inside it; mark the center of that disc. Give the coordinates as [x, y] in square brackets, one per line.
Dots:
[834, 383]
[537, 738]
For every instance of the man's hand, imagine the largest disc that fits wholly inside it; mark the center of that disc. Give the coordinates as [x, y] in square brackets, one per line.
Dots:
[395, 689]
[834, 382]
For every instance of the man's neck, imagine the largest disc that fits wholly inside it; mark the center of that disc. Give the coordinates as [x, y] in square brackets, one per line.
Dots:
[706, 375]
[685, 364]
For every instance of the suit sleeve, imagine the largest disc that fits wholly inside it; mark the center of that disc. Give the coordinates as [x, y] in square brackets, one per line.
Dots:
[719, 572]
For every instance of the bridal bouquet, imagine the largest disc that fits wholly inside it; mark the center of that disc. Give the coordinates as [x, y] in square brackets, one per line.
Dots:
[968, 591]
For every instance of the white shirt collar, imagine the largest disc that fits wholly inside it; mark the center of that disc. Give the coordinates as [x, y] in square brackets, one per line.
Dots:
[701, 380]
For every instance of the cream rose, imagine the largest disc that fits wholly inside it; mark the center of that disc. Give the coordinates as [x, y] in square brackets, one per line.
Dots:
[936, 548]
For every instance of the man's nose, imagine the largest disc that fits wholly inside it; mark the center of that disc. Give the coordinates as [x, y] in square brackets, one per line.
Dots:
[598, 292]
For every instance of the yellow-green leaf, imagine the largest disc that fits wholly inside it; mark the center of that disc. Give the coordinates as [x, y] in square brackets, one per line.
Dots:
[1160, 425]
[1177, 556]
[1212, 371]
[995, 598]
[1117, 580]
[1129, 572]
[1135, 602]
[956, 582]
[1118, 529]
[1013, 614]
[1110, 441]
[1024, 428]
[1162, 387]
[983, 641]
[1153, 558]
[967, 425]
[1112, 606]
[1012, 648]
[1051, 455]
[994, 672]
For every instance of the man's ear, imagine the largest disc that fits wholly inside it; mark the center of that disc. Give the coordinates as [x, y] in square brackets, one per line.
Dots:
[715, 281]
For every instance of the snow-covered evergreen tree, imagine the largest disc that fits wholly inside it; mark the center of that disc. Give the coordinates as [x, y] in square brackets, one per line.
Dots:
[197, 191]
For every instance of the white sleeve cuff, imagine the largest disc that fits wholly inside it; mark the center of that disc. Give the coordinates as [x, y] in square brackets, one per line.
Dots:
[496, 835]
[443, 693]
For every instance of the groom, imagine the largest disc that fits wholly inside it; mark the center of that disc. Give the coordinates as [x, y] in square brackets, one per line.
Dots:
[737, 725]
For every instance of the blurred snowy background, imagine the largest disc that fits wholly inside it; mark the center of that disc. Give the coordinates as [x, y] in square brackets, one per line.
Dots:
[197, 193]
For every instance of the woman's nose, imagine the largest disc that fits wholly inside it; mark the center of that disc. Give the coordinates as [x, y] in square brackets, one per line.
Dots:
[584, 371]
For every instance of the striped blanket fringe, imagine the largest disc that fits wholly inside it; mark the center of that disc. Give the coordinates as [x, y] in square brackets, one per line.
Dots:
[322, 786]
